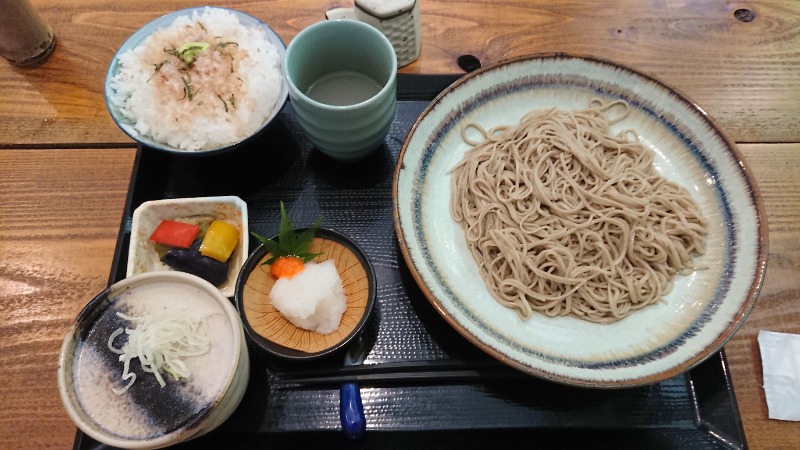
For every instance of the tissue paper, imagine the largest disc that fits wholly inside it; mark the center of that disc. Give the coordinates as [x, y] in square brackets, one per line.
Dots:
[780, 361]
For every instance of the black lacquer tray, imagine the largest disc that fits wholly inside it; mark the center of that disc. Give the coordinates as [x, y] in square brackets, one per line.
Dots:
[423, 385]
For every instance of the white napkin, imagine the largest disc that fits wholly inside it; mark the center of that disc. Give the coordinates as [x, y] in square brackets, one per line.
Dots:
[780, 361]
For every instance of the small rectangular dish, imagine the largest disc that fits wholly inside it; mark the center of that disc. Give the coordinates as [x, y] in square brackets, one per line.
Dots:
[143, 254]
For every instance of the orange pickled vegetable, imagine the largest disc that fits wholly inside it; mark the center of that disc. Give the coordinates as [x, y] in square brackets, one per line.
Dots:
[220, 240]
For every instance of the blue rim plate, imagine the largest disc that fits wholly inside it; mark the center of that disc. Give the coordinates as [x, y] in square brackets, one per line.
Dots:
[659, 342]
[163, 22]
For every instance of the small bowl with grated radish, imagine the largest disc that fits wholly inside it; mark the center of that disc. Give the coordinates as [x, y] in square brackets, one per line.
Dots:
[154, 360]
[197, 81]
[297, 319]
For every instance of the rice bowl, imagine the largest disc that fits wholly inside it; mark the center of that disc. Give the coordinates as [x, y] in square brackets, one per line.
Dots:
[197, 80]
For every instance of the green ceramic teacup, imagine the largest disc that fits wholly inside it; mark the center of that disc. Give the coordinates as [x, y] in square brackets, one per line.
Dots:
[342, 77]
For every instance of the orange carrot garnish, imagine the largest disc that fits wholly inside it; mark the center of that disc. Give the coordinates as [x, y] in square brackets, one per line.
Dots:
[286, 267]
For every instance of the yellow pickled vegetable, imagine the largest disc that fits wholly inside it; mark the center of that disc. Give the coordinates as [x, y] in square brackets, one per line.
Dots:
[219, 241]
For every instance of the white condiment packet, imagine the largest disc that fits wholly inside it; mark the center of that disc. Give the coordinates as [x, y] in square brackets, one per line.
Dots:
[780, 361]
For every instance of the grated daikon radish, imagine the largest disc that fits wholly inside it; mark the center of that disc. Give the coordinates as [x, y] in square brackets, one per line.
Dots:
[314, 299]
[160, 342]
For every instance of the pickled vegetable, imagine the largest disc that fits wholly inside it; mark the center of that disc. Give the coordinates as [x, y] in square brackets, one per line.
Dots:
[201, 220]
[220, 240]
[175, 234]
[191, 261]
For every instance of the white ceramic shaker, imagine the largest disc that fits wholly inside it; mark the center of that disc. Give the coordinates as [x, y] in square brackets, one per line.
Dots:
[398, 20]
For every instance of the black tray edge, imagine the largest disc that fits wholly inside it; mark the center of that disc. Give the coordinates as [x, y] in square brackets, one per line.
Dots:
[427, 87]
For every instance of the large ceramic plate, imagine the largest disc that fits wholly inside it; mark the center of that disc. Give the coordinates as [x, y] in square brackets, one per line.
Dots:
[703, 310]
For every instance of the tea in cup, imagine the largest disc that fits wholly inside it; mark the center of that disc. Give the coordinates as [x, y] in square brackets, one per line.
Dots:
[342, 77]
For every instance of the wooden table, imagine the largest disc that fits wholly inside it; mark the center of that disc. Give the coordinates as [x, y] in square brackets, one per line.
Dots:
[65, 166]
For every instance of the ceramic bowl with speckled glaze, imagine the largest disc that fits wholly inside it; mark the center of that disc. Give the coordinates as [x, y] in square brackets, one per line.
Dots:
[704, 308]
[119, 100]
[118, 399]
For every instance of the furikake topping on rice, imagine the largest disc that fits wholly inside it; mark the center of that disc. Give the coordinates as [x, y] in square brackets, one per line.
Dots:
[203, 82]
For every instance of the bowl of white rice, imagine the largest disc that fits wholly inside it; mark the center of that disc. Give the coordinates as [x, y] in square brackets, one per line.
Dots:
[197, 81]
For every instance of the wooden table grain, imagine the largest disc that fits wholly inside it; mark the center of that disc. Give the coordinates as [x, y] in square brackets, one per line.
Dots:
[65, 166]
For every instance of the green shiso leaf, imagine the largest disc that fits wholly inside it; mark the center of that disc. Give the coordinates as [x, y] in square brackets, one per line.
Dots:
[303, 240]
[288, 242]
[285, 233]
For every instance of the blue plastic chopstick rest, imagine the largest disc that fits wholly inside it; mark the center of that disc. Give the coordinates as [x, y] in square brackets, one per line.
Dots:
[351, 411]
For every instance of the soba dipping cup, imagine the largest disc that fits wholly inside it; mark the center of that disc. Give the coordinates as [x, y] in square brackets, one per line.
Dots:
[342, 77]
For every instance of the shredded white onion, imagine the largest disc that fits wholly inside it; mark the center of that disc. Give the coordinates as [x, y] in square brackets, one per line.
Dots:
[160, 342]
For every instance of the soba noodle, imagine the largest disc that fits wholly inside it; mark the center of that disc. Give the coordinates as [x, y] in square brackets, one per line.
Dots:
[564, 218]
